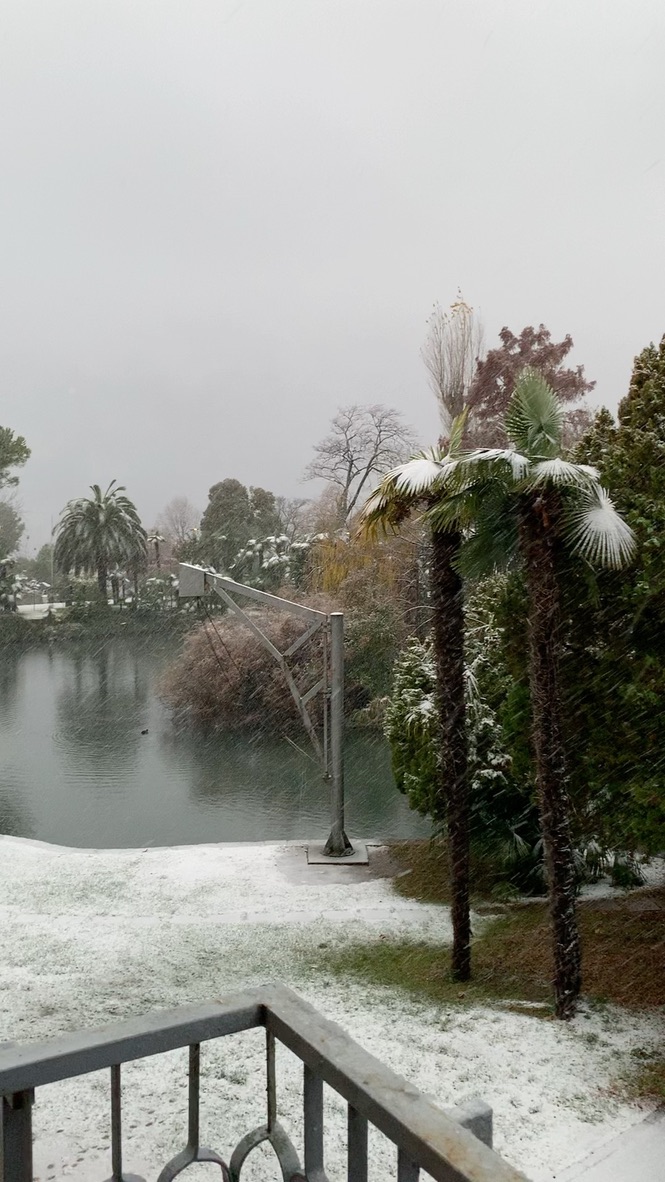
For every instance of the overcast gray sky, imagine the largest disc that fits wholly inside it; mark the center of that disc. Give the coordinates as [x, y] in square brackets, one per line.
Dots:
[222, 219]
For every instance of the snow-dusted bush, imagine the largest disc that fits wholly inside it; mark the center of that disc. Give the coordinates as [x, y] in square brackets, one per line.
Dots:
[225, 677]
[272, 562]
[504, 824]
[10, 585]
[412, 728]
[159, 593]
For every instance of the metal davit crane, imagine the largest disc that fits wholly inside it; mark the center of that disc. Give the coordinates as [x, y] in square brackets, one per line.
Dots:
[194, 582]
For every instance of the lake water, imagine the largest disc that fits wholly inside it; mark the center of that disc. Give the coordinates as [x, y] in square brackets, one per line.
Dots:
[75, 768]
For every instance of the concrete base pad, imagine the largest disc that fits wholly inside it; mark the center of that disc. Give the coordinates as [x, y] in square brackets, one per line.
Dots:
[359, 857]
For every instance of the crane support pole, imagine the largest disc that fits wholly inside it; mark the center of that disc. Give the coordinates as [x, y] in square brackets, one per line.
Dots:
[338, 844]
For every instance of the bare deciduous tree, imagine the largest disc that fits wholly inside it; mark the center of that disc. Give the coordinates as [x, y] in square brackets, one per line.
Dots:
[177, 520]
[294, 514]
[365, 441]
[323, 512]
[451, 352]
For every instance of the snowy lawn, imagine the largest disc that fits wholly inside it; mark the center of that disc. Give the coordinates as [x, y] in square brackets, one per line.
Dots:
[89, 937]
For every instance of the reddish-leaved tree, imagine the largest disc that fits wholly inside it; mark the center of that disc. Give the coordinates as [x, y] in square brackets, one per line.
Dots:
[497, 373]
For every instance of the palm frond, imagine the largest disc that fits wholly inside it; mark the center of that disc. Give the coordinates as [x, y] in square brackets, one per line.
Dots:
[559, 472]
[457, 428]
[598, 532]
[446, 513]
[492, 543]
[486, 458]
[384, 510]
[534, 419]
[375, 502]
[421, 473]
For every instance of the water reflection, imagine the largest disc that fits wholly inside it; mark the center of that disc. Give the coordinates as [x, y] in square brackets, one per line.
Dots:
[90, 757]
[9, 672]
[102, 706]
[279, 790]
[15, 819]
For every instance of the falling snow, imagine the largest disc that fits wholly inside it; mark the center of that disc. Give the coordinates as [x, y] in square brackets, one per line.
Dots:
[92, 936]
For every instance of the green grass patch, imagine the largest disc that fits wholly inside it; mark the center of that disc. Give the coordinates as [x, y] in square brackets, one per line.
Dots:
[623, 947]
[423, 969]
[644, 1081]
[425, 873]
[649, 1082]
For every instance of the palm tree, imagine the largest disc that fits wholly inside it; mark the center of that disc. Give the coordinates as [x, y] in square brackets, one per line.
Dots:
[99, 532]
[155, 538]
[425, 481]
[533, 501]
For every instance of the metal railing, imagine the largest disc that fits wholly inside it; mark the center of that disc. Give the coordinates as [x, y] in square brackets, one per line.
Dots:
[452, 1145]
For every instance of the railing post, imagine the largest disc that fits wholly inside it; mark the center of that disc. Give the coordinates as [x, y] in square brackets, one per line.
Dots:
[357, 1147]
[407, 1170]
[313, 1113]
[271, 1082]
[16, 1137]
[194, 1090]
[117, 1174]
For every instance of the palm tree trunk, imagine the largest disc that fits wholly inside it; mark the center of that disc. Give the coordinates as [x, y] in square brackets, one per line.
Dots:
[448, 619]
[539, 540]
[102, 579]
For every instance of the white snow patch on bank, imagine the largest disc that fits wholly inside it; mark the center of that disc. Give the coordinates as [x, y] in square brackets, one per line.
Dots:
[89, 937]
[653, 875]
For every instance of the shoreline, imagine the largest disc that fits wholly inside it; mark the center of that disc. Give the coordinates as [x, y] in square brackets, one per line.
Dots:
[296, 842]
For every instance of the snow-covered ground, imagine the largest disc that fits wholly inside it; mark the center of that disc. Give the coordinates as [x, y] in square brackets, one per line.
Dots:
[91, 936]
[653, 875]
[37, 611]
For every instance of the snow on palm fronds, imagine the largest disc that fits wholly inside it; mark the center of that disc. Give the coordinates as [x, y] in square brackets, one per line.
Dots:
[412, 484]
[561, 472]
[590, 523]
[416, 477]
[481, 460]
[598, 532]
[423, 473]
[99, 531]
